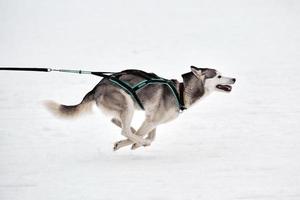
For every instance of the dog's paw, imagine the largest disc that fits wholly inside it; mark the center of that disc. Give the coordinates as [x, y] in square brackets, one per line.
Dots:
[117, 146]
[146, 143]
[136, 146]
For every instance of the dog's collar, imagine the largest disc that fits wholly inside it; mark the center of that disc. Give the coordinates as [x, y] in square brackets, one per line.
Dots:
[181, 97]
[180, 94]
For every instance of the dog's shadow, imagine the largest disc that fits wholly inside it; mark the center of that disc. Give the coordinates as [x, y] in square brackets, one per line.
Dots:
[142, 157]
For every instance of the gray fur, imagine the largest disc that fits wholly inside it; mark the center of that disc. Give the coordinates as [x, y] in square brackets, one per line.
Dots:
[193, 87]
[159, 103]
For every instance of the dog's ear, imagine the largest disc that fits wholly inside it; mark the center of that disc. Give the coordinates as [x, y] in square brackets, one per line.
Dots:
[203, 73]
[193, 67]
[197, 72]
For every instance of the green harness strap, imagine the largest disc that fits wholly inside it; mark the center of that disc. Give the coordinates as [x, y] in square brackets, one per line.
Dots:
[132, 90]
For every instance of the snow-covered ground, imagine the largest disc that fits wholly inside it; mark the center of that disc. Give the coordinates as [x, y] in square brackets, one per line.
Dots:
[239, 146]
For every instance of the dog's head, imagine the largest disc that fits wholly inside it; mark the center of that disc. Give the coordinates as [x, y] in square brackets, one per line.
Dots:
[213, 80]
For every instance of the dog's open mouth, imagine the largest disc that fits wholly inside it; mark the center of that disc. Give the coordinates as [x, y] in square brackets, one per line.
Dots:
[226, 88]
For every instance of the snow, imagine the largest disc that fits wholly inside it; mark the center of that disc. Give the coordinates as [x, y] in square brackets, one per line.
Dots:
[243, 145]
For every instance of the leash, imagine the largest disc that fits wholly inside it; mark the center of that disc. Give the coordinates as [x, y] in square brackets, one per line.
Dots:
[30, 69]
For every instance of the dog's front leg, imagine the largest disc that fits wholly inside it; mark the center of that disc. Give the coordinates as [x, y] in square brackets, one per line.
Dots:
[124, 143]
[126, 118]
[143, 130]
[146, 128]
[151, 137]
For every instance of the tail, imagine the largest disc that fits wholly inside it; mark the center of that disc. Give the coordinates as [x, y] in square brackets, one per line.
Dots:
[74, 110]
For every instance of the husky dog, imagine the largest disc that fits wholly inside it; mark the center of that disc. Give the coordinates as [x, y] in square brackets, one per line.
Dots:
[158, 100]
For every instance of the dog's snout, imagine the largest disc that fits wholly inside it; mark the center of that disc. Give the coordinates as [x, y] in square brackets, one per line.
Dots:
[233, 80]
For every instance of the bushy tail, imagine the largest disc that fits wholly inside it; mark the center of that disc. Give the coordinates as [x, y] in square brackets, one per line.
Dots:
[74, 110]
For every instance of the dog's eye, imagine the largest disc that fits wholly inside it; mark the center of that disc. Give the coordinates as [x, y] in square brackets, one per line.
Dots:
[219, 76]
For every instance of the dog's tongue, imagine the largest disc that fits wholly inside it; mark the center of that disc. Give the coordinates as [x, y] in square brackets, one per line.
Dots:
[226, 88]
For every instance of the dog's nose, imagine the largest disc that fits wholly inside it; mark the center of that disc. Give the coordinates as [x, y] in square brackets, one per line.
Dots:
[233, 80]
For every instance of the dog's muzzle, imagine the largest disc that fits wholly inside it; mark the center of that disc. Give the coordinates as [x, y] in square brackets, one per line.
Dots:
[226, 88]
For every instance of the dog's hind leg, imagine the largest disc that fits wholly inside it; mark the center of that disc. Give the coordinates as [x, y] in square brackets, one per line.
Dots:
[124, 143]
[120, 105]
[151, 137]
[146, 128]
[126, 117]
[121, 143]
[119, 124]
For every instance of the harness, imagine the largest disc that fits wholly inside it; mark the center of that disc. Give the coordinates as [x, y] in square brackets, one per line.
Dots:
[150, 79]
